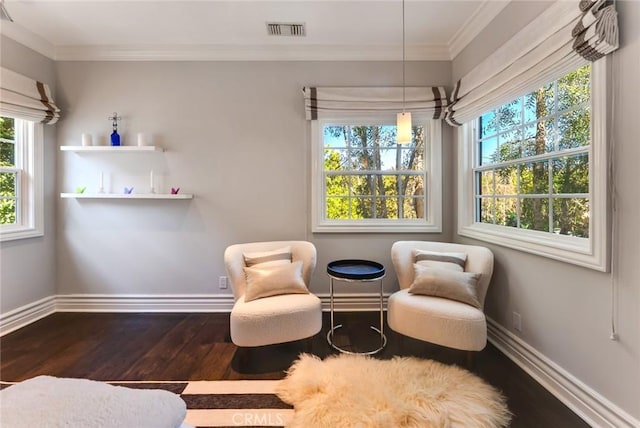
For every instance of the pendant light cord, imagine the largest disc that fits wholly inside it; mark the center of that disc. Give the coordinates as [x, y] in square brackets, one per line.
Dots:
[403, 71]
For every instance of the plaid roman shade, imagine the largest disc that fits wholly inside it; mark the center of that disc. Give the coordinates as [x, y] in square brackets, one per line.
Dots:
[25, 98]
[329, 101]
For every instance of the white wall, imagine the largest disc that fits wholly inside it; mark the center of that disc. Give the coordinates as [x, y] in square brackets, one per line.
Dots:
[27, 266]
[566, 309]
[236, 137]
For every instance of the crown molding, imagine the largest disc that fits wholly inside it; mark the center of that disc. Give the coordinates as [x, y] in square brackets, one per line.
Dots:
[27, 38]
[249, 53]
[477, 22]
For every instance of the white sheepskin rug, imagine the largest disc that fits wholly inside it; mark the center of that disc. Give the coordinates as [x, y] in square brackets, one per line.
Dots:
[358, 391]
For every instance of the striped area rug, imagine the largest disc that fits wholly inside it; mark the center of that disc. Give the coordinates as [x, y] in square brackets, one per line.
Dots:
[234, 403]
[227, 403]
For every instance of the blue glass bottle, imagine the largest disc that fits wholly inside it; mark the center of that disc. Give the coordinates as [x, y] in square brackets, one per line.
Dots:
[115, 138]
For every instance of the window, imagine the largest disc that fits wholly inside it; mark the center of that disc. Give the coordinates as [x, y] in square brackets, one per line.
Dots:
[20, 178]
[364, 181]
[534, 171]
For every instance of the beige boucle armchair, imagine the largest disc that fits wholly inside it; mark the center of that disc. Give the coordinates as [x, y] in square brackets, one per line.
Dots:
[274, 319]
[434, 319]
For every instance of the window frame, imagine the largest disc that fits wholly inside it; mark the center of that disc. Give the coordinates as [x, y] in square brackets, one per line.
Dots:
[432, 223]
[591, 252]
[29, 184]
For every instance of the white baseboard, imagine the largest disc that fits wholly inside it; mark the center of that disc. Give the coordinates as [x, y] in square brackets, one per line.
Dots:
[144, 303]
[595, 409]
[32, 312]
[27, 314]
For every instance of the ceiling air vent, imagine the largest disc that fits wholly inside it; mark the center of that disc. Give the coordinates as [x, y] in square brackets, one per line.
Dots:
[285, 29]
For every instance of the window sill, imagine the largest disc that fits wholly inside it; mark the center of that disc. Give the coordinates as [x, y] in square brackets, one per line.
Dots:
[568, 249]
[14, 233]
[362, 227]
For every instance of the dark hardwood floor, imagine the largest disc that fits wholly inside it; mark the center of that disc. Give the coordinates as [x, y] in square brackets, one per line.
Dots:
[165, 347]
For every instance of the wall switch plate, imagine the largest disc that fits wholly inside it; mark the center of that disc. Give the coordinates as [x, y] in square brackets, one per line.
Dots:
[517, 322]
[222, 282]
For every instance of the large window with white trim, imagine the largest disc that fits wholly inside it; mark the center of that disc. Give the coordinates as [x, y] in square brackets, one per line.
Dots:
[534, 177]
[20, 179]
[364, 181]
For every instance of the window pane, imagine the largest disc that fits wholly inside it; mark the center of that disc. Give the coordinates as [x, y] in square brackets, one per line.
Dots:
[488, 124]
[510, 114]
[487, 206]
[8, 184]
[387, 208]
[8, 180]
[540, 103]
[7, 211]
[534, 178]
[574, 129]
[337, 208]
[364, 159]
[510, 145]
[337, 185]
[7, 144]
[334, 159]
[574, 88]
[485, 182]
[413, 208]
[334, 136]
[363, 185]
[386, 185]
[412, 185]
[488, 151]
[7, 128]
[7, 154]
[506, 181]
[534, 214]
[571, 174]
[506, 212]
[362, 208]
[530, 107]
[412, 159]
[389, 159]
[571, 216]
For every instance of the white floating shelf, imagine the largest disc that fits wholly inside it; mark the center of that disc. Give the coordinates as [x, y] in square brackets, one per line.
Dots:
[125, 196]
[111, 149]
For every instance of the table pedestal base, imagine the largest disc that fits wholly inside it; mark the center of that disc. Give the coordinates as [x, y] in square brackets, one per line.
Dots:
[383, 342]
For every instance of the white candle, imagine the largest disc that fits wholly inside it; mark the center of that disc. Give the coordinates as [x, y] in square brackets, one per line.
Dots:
[151, 180]
[86, 139]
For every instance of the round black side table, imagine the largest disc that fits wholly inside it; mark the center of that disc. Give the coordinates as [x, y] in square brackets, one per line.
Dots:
[356, 271]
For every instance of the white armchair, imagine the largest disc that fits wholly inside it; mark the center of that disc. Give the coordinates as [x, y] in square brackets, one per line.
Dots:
[436, 319]
[274, 319]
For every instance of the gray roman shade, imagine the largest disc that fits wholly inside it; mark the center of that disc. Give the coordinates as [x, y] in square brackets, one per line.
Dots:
[330, 101]
[25, 98]
[564, 37]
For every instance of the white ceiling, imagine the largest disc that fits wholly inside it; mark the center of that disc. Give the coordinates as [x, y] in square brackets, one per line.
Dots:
[236, 30]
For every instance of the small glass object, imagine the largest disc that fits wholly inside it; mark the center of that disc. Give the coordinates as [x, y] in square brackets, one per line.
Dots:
[115, 137]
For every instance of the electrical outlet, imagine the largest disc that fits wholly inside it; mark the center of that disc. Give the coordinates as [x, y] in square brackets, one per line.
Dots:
[222, 282]
[517, 322]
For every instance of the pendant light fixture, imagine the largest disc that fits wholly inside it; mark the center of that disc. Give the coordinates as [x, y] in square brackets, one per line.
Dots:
[403, 125]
